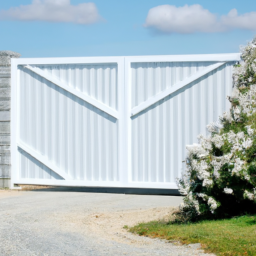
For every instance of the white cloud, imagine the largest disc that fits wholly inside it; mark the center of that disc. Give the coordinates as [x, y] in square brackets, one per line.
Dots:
[53, 11]
[245, 21]
[194, 18]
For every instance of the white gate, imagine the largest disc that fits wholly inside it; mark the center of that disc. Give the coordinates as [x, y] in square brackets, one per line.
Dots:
[112, 121]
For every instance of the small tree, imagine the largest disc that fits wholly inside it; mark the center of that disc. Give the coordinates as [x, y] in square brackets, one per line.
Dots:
[220, 180]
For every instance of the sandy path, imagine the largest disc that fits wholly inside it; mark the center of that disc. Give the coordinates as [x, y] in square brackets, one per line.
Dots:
[109, 225]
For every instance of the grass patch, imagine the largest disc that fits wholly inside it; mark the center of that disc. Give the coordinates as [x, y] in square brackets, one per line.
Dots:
[4, 188]
[236, 236]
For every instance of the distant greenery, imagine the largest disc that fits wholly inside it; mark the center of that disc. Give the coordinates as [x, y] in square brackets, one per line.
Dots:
[229, 237]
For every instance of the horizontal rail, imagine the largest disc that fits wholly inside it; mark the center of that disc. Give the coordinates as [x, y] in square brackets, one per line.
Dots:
[103, 107]
[186, 58]
[42, 159]
[170, 90]
[67, 60]
[108, 59]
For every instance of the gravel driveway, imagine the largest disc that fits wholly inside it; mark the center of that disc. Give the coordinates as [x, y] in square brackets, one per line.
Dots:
[79, 223]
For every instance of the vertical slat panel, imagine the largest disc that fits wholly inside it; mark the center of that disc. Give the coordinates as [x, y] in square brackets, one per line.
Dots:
[96, 79]
[177, 120]
[149, 78]
[70, 133]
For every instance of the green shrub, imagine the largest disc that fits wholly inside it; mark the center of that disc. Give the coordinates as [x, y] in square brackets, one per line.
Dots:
[220, 180]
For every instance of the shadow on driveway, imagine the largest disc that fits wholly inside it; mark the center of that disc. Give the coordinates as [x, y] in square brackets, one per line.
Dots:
[135, 191]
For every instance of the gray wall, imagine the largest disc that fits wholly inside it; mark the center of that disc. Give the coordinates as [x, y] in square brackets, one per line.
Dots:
[5, 111]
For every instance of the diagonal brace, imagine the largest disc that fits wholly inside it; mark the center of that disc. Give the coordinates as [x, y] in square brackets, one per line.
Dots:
[44, 160]
[103, 107]
[170, 90]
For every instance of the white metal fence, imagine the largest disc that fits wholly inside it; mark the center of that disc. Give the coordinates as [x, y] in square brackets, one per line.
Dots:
[113, 121]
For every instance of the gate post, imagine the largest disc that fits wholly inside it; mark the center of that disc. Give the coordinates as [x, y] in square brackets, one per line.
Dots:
[5, 117]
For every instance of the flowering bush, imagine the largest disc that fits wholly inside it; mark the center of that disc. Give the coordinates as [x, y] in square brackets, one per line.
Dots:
[220, 180]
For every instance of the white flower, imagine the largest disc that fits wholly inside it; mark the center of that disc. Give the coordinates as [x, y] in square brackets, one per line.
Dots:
[231, 137]
[235, 93]
[194, 202]
[236, 147]
[184, 190]
[214, 127]
[253, 66]
[247, 143]
[247, 176]
[238, 141]
[246, 100]
[218, 162]
[240, 135]
[194, 164]
[205, 142]
[212, 203]
[217, 166]
[246, 51]
[226, 158]
[227, 116]
[248, 195]
[247, 110]
[207, 183]
[250, 131]
[184, 187]
[218, 141]
[237, 112]
[202, 195]
[228, 190]
[238, 167]
[196, 149]
[202, 172]
[238, 71]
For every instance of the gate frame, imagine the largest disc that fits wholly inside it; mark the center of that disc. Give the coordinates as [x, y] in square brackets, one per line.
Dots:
[124, 110]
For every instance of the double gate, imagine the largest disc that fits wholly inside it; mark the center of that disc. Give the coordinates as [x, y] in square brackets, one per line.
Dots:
[112, 121]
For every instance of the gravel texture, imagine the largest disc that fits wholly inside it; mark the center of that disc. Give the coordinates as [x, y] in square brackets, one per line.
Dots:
[79, 223]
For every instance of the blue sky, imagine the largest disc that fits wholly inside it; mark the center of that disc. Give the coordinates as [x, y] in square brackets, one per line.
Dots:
[120, 30]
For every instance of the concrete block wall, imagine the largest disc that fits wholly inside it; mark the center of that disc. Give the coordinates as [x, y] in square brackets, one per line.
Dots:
[5, 116]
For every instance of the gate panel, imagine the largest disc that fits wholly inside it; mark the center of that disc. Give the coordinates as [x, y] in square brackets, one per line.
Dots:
[68, 122]
[74, 135]
[161, 132]
[170, 101]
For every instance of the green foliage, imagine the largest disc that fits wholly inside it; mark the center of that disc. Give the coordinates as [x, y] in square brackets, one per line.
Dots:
[220, 180]
[226, 237]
